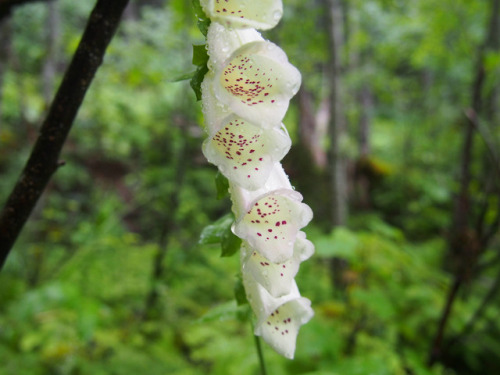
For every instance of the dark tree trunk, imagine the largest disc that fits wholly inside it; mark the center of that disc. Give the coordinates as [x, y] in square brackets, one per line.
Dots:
[311, 127]
[464, 243]
[131, 12]
[365, 120]
[337, 119]
[365, 100]
[337, 129]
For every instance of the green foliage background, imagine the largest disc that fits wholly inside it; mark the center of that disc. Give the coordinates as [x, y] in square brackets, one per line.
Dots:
[73, 295]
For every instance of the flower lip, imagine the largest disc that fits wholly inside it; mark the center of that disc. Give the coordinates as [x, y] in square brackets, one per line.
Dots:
[257, 82]
[278, 319]
[258, 14]
[246, 153]
[281, 327]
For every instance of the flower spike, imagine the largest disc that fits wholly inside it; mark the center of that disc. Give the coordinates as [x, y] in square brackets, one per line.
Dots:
[245, 96]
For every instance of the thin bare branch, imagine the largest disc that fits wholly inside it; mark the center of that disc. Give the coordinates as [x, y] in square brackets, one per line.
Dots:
[44, 159]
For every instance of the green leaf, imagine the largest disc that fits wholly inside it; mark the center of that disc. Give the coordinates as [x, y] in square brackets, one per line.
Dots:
[226, 311]
[200, 58]
[203, 25]
[182, 76]
[214, 233]
[222, 185]
[198, 79]
[220, 233]
[203, 20]
[200, 54]
[239, 292]
[230, 243]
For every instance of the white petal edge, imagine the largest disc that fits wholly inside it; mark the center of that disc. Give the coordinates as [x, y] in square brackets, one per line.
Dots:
[222, 42]
[258, 14]
[213, 111]
[278, 319]
[244, 198]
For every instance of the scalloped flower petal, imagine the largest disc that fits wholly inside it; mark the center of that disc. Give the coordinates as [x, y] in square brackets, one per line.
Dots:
[246, 153]
[259, 14]
[282, 326]
[244, 199]
[257, 83]
[272, 223]
[278, 319]
[276, 278]
[222, 42]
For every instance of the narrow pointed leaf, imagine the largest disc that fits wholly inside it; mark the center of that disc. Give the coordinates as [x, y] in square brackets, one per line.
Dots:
[222, 185]
[203, 20]
[213, 234]
[197, 80]
[230, 243]
[200, 54]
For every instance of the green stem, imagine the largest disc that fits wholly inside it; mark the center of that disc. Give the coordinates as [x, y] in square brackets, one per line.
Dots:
[260, 353]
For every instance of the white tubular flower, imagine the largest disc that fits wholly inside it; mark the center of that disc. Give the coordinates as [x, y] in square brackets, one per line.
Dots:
[276, 278]
[221, 44]
[245, 95]
[257, 82]
[245, 153]
[258, 14]
[278, 319]
[272, 223]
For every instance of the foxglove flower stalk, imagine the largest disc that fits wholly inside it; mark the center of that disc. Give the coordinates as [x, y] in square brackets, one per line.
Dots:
[246, 94]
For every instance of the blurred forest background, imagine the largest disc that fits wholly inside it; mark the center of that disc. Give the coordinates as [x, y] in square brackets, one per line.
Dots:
[396, 149]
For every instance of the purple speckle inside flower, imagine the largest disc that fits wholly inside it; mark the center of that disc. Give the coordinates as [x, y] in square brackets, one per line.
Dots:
[250, 78]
